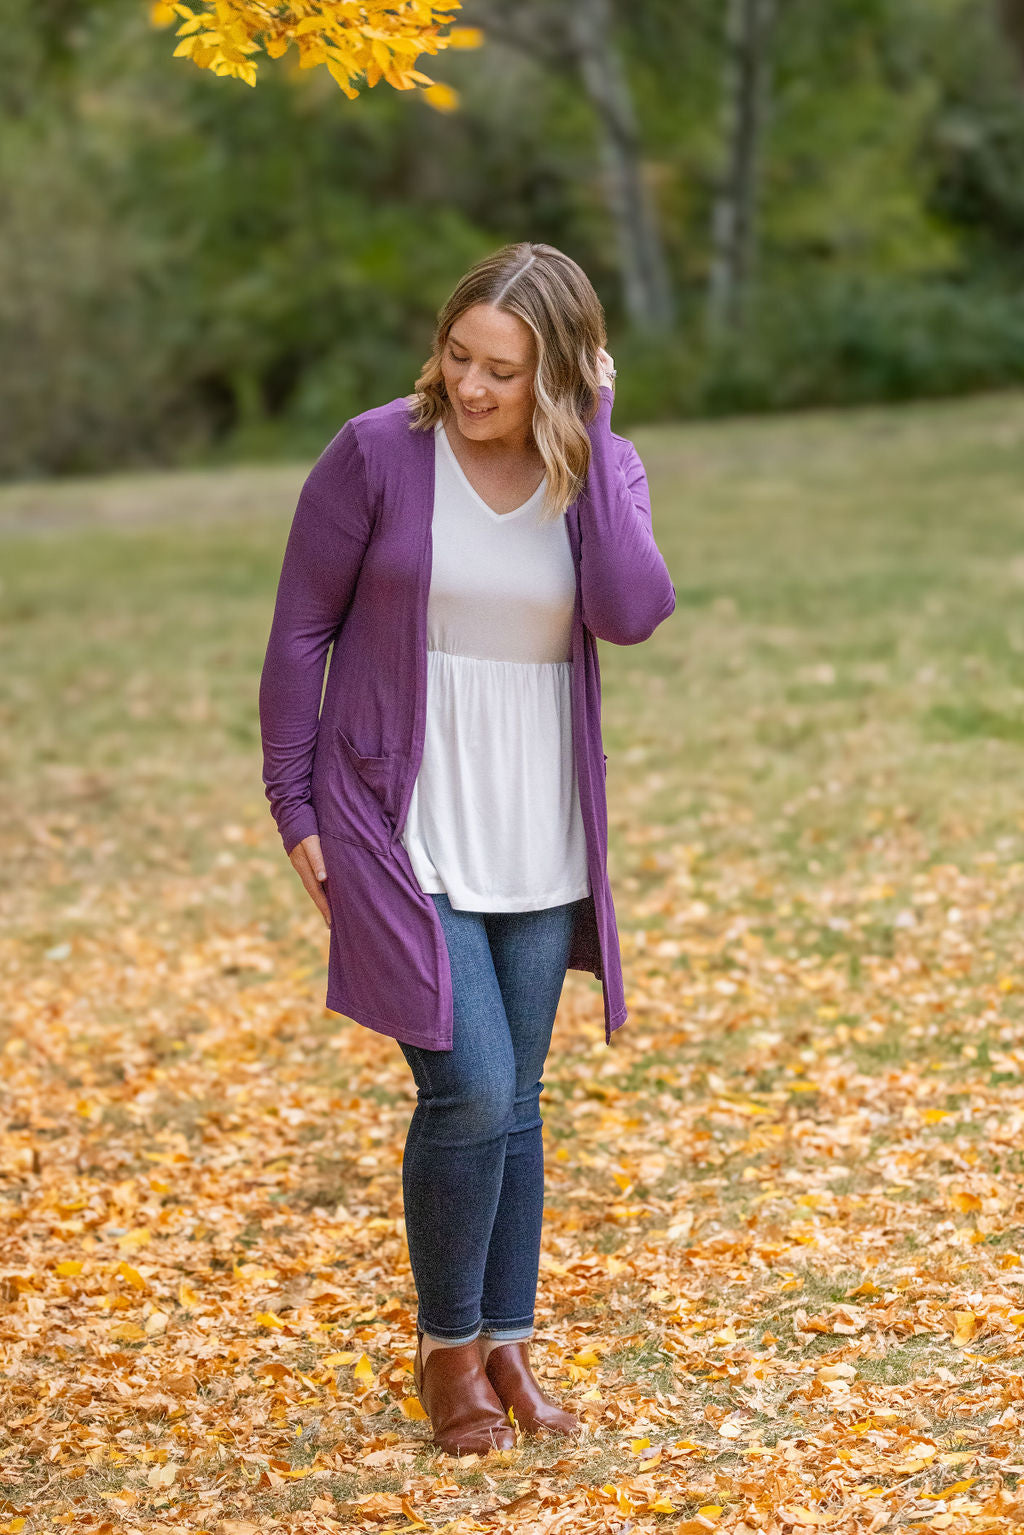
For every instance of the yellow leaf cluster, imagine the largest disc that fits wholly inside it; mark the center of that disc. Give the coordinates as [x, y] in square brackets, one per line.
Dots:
[371, 41]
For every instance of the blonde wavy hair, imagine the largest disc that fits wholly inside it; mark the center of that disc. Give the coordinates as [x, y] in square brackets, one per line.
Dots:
[553, 296]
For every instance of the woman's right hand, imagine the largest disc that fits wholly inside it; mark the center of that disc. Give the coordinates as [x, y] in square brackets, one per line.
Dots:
[308, 862]
[606, 367]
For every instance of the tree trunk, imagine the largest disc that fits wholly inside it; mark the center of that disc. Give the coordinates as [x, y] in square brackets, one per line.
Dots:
[646, 291]
[749, 26]
[1010, 16]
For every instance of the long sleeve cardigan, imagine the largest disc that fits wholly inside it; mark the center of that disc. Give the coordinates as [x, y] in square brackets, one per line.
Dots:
[356, 573]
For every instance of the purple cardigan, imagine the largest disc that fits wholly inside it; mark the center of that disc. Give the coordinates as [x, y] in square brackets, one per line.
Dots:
[356, 571]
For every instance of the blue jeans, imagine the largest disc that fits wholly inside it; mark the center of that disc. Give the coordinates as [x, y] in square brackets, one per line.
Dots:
[473, 1170]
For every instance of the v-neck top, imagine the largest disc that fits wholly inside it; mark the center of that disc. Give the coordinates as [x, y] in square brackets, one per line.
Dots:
[494, 818]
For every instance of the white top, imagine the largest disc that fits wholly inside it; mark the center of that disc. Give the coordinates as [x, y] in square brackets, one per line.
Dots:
[494, 819]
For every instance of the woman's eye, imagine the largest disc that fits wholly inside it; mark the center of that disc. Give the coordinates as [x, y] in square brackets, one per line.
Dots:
[504, 377]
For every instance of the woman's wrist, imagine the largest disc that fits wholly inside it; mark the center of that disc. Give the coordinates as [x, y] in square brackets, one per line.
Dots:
[601, 421]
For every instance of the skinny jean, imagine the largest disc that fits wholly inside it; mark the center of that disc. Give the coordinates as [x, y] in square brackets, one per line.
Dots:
[473, 1169]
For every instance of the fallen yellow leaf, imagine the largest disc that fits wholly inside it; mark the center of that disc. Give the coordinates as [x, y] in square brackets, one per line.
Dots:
[139, 1236]
[587, 1358]
[127, 1332]
[966, 1328]
[950, 1491]
[837, 1372]
[915, 1461]
[268, 1319]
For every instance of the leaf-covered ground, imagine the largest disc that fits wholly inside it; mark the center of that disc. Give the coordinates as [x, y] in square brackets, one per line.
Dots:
[783, 1272]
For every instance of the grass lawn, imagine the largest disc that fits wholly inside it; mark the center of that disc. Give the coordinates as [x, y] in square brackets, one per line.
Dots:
[783, 1273]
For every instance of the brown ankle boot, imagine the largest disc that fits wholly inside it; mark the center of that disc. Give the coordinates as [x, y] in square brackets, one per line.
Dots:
[465, 1415]
[508, 1370]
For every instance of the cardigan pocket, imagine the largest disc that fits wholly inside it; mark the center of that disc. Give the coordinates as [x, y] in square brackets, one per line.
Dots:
[387, 949]
[368, 788]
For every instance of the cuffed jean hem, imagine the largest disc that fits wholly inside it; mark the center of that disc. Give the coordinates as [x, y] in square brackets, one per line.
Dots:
[443, 1335]
[506, 1334]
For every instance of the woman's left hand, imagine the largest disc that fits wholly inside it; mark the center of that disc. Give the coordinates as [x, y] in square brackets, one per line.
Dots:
[606, 368]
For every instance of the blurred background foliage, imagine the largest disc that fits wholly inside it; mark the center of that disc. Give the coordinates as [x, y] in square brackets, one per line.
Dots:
[192, 270]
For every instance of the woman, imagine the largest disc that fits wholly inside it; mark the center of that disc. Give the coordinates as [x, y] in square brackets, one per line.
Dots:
[463, 548]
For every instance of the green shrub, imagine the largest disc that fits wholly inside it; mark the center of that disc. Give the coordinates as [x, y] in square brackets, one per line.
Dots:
[837, 344]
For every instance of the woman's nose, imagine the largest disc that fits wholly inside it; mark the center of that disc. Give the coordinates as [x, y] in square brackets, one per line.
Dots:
[470, 386]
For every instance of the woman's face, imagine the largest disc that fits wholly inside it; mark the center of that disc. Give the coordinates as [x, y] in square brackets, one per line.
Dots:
[488, 364]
